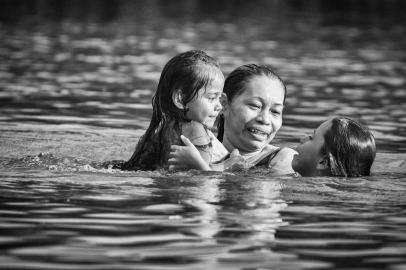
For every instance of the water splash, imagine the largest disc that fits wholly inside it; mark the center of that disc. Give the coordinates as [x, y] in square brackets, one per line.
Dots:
[51, 162]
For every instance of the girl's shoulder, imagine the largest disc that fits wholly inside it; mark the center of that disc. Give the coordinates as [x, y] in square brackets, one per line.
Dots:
[219, 151]
[196, 132]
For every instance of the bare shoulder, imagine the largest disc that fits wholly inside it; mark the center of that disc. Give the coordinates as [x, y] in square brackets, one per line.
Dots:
[286, 153]
[219, 151]
[281, 163]
[195, 132]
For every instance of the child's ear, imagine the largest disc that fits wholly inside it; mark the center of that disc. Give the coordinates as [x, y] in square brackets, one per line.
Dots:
[224, 102]
[177, 99]
[323, 163]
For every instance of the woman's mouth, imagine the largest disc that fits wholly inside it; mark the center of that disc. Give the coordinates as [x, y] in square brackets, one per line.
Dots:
[258, 134]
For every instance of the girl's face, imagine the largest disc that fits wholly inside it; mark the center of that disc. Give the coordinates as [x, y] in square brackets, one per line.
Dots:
[205, 107]
[252, 119]
[309, 160]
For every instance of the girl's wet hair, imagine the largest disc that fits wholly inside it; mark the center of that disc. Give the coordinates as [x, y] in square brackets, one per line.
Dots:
[350, 146]
[236, 82]
[188, 72]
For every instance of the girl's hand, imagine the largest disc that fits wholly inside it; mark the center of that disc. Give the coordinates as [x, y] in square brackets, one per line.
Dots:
[235, 162]
[186, 157]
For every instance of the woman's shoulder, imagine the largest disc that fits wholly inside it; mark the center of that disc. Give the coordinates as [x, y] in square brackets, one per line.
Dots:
[281, 162]
[261, 158]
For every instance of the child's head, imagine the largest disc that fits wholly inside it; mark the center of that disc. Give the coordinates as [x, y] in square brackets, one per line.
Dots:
[339, 147]
[189, 88]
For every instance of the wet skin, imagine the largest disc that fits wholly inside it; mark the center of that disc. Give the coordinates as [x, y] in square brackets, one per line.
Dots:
[309, 160]
[206, 106]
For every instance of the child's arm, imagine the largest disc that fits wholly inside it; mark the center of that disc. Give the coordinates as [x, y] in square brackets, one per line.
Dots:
[186, 157]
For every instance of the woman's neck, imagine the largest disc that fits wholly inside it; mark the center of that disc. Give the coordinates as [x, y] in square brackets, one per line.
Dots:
[227, 144]
[230, 147]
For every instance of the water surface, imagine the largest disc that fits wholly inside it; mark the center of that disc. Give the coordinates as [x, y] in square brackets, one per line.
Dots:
[75, 93]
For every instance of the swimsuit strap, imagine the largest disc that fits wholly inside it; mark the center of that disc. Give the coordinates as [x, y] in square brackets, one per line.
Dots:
[268, 153]
[272, 155]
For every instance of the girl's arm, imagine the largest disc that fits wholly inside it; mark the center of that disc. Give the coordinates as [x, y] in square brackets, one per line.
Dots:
[186, 157]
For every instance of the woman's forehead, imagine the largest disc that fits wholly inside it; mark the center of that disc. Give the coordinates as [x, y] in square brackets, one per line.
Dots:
[265, 88]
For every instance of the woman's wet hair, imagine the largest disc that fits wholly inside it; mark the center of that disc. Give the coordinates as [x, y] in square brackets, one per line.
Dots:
[350, 146]
[188, 72]
[236, 82]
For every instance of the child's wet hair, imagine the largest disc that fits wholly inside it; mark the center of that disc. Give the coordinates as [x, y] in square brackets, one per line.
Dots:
[187, 72]
[350, 146]
[236, 81]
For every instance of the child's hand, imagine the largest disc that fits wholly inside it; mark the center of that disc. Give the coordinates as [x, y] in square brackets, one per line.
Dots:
[186, 157]
[235, 162]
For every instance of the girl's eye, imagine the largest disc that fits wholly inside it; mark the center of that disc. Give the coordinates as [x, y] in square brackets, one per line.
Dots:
[213, 97]
[276, 112]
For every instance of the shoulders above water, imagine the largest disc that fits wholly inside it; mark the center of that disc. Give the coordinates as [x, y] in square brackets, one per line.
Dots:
[281, 163]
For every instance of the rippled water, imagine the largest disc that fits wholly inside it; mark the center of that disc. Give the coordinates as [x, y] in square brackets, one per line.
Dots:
[75, 95]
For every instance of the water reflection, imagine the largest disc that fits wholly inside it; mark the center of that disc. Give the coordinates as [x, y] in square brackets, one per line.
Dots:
[189, 220]
[174, 218]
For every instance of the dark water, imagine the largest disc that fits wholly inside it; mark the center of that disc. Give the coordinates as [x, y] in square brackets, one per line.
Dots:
[76, 80]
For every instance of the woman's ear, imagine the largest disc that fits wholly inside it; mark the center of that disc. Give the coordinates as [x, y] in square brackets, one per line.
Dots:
[177, 99]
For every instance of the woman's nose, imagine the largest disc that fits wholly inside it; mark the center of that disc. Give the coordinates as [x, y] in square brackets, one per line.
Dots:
[264, 117]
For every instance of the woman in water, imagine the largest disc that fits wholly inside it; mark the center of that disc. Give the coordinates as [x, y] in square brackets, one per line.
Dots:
[252, 114]
[254, 96]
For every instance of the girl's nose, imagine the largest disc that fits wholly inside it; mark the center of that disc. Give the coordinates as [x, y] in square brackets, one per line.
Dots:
[218, 106]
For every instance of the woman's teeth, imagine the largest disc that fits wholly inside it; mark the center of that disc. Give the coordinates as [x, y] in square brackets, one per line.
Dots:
[256, 131]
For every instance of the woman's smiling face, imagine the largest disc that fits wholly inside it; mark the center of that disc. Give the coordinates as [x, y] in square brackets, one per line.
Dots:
[254, 116]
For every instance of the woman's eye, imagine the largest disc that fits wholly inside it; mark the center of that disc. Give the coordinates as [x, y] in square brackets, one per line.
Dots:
[255, 106]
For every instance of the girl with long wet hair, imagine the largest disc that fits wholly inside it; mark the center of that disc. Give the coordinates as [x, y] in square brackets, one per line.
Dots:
[186, 102]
